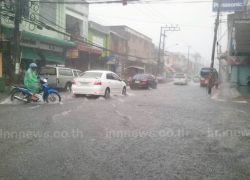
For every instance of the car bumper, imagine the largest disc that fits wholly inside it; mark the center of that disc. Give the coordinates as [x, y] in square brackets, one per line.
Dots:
[88, 90]
[204, 82]
[180, 82]
[139, 85]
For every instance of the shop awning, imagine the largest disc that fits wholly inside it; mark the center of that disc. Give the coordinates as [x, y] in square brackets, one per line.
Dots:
[29, 53]
[9, 32]
[135, 67]
[53, 57]
[110, 59]
[38, 37]
[85, 48]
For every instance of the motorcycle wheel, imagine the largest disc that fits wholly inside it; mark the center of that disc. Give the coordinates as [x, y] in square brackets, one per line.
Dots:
[17, 96]
[53, 98]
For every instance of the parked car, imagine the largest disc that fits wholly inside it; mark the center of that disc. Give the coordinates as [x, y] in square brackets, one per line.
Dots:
[161, 79]
[196, 79]
[59, 76]
[98, 83]
[180, 78]
[143, 81]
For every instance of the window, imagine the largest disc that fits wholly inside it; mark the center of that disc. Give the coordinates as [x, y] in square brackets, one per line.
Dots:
[110, 76]
[74, 26]
[179, 75]
[47, 71]
[75, 73]
[116, 77]
[25, 9]
[79, 73]
[91, 75]
[65, 72]
[47, 12]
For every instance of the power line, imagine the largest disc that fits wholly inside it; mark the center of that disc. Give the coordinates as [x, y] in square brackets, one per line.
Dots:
[62, 27]
[223, 34]
[119, 1]
[39, 23]
[151, 21]
[81, 2]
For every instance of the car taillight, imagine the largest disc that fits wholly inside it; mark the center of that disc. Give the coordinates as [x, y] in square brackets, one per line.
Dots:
[99, 83]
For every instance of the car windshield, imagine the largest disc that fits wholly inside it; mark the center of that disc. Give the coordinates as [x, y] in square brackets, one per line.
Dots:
[179, 76]
[92, 75]
[204, 72]
[47, 71]
[140, 77]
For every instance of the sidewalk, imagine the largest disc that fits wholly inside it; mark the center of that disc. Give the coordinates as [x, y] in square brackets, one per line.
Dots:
[3, 96]
[228, 92]
[244, 93]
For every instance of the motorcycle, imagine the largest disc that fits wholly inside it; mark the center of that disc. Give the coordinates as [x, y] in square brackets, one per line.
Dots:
[47, 94]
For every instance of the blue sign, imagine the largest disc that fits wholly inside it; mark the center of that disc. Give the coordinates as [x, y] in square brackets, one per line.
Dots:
[228, 5]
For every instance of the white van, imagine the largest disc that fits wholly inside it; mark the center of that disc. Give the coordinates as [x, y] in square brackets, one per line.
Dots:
[59, 76]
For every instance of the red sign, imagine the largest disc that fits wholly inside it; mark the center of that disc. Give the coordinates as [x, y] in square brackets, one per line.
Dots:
[236, 60]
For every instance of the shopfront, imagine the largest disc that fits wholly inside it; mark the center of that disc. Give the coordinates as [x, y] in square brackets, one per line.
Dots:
[36, 48]
[83, 57]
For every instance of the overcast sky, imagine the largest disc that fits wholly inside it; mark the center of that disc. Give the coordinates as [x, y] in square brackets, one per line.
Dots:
[196, 21]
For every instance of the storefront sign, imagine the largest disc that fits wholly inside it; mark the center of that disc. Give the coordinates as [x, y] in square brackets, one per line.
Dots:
[228, 5]
[72, 54]
[238, 60]
[41, 45]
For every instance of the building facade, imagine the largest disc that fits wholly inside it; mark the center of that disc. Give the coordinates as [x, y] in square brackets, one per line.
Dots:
[139, 51]
[42, 35]
[238, 56]
[118, 53]
[99, 37]
[81, 55]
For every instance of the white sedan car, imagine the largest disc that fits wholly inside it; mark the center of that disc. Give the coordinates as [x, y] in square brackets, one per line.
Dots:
[180, 78]
[98, 83]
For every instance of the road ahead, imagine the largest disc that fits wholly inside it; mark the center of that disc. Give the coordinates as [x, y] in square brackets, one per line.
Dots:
[173, 132]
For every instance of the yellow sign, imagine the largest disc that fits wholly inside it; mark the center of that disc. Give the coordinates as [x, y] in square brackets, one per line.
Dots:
[72, 54]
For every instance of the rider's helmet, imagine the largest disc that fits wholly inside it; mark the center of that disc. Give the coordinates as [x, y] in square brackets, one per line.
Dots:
[33, 66]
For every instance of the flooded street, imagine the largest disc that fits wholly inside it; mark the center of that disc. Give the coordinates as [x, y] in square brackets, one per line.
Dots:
[172, 132]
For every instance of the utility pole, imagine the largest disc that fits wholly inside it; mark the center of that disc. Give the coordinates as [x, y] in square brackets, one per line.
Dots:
[163, 31]
[188, 59]
[217, 22]
[17, 37]
[1, 43]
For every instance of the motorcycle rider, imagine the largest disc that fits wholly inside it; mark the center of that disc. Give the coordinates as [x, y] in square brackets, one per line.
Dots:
[31, 80]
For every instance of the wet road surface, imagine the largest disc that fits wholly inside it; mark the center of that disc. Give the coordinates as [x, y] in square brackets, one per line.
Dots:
[173, 132]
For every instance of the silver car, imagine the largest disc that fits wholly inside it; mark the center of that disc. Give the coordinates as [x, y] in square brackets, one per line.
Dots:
[59, 76]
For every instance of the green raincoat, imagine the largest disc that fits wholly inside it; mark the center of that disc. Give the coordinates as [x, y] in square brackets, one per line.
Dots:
[31, 81]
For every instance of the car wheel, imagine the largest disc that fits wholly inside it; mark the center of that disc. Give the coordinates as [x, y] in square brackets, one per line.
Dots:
[124, 91]
[107, 94]
[68, 87]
